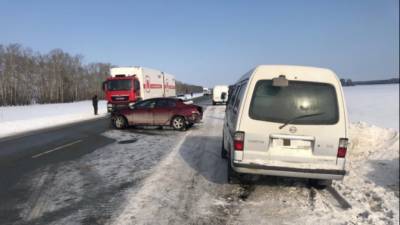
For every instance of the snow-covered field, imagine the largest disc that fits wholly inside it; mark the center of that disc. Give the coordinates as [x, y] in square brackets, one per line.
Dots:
[374, 104]
[17, 119]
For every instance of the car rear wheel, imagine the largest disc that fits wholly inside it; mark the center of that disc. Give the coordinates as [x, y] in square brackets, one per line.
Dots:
[119, 122]
[178, 123]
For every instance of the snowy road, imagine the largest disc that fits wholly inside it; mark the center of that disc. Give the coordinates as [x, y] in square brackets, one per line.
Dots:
[148, 176]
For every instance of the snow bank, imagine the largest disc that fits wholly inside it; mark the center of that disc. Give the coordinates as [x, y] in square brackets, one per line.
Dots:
[372, 187]
[17, 119]
[374, 104]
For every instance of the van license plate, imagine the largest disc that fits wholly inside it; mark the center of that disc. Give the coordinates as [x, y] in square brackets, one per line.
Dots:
[292, 144]
[300, 144]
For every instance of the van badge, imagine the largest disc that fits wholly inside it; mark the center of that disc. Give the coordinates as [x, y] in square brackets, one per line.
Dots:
[293, 130]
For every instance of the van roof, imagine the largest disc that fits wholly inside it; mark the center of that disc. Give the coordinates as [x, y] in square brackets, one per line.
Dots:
[221, 86]
[275, 70]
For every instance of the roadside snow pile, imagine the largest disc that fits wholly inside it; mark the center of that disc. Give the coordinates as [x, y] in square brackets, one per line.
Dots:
[373, 182]
[374, 104]
[195, 95]
[372, 187]
[17, 119]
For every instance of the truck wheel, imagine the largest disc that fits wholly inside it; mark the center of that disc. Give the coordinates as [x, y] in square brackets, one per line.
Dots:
[178, 123]
[224, 153]
[119, 122]
[214, 103]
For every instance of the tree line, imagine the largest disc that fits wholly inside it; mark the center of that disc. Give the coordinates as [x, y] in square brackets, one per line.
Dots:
[28, 77]
[349, 82]
[182, 88]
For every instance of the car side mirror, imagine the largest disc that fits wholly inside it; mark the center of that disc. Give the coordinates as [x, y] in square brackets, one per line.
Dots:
[280, 81]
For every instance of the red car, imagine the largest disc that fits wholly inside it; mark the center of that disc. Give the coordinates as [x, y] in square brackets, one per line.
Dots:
[159, 112]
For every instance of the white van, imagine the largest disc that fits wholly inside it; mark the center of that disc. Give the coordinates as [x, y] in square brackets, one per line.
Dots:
[220, 94]
[287, 121]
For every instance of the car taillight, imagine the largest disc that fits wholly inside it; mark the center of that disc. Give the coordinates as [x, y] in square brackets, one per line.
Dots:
[342, 149]
[238, 141]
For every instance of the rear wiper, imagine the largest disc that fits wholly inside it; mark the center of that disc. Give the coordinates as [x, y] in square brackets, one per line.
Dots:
[299, 117]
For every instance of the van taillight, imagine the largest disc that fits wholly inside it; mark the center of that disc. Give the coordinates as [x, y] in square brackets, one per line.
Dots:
[342, 149]
[238, 141]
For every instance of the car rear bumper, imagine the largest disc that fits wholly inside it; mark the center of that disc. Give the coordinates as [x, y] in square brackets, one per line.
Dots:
[252, 168]
[194, 118]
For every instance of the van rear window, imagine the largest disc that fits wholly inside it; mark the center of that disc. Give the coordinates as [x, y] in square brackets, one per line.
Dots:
[299, 99]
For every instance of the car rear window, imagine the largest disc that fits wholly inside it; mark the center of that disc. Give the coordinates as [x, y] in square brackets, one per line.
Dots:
[280, 104]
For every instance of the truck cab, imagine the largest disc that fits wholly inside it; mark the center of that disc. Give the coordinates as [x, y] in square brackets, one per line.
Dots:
[121, 91]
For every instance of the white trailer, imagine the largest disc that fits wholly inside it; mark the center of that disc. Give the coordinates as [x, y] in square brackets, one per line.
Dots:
[152, 83]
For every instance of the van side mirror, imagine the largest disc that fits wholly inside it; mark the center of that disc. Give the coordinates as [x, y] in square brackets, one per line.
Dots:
[280, 81]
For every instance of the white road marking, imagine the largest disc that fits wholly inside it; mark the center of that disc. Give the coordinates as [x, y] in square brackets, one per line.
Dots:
[55, 149]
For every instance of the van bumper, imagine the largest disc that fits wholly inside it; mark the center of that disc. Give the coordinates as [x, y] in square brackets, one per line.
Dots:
[252, 168]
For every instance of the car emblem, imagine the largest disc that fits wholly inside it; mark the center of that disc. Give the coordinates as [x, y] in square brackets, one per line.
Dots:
[293, 130]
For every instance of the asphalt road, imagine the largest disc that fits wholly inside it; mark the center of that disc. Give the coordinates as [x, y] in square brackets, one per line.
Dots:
[21, 154]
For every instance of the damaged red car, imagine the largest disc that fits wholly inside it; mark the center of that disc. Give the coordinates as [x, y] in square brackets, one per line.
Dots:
[158, 112]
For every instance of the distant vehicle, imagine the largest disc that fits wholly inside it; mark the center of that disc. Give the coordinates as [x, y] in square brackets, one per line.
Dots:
[159, 112]
[220, 94]
[287, 121]
[182, 97]
[128, 85]
[206, 91]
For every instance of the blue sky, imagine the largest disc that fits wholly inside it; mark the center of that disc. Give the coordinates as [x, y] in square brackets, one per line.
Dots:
[214, 42]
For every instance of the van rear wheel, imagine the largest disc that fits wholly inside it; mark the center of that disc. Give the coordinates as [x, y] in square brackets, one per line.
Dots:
[320, 184]
[233, 176]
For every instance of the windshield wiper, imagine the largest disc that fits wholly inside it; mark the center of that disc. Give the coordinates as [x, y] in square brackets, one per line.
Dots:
[299, 117]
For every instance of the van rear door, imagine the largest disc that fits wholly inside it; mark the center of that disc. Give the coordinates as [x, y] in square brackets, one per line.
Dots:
[295, 126]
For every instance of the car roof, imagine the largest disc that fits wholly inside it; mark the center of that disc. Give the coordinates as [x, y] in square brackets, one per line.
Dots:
[160, 98]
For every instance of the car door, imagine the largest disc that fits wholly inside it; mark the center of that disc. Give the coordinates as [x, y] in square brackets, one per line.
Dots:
[163, 111]
[142, 114]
